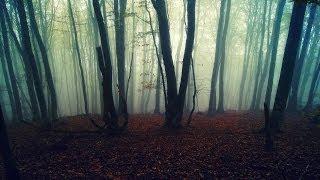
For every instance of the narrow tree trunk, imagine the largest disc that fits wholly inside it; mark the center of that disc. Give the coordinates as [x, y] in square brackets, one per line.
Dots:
[216, 66]
[223, 55]
[119, 12]
[274, 50]
[75, 36]
[260, 57]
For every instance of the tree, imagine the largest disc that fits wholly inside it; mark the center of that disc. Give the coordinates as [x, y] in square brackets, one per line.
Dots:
[28, 54]
[290, 54]
[260, 58]
[293, 100]
[223, 57]
[44, 54]
[219, 57]
[175, 99]
[5, 151]
[110, 115]
[16, 108]
[29, 78]
[274, 43]
[77, 47]
[119, 20]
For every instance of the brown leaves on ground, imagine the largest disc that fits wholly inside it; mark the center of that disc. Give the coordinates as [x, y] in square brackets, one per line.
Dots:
[224, 146]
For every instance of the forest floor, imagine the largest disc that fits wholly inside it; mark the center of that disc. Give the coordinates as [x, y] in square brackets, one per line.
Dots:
[225, 146]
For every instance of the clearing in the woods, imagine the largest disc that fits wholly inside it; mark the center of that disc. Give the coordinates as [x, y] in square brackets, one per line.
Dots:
[227, 145]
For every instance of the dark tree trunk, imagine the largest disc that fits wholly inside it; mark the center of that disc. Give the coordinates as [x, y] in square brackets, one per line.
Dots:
[158, 86]
[76, 43]
[293, 100]
[104, 59]
[275, 41]
[175, 105]
[27, 48]
[290, 54]
[5, 151]
[47, 69]
[29, 79]
[17, 111]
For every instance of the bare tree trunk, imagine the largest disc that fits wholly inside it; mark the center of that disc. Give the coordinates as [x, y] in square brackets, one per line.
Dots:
[119, 12]
[223, 55]
[260, 57]
[47, 69]
[75, 36]
[31, 59]
[9, 163]
[16, 95]
[291, 51]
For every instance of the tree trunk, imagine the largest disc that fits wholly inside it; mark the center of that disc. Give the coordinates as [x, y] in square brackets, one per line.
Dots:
[5, 151]
[175, 105]
[216, 66]
[47, 69]
[16, 109]
[223, 55]
[291, 51]
[275, 38]
[315, 80]
[76, 43]
[260, 58]
[119, 12]
[27, 48]
[293, 100]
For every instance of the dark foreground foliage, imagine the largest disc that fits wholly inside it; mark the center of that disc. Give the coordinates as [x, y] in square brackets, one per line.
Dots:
[227, 145]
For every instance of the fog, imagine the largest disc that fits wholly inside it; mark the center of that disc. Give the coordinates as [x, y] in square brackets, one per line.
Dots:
[247, 21]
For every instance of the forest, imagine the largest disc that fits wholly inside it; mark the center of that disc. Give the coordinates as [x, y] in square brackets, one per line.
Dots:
[121, 89]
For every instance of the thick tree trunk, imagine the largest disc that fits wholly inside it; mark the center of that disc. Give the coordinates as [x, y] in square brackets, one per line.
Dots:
[175, 105]
[290, 54]
[47, 69]
[76, 43]
[293, 100]
[27, 48]
[104, 59]
[5, 151]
